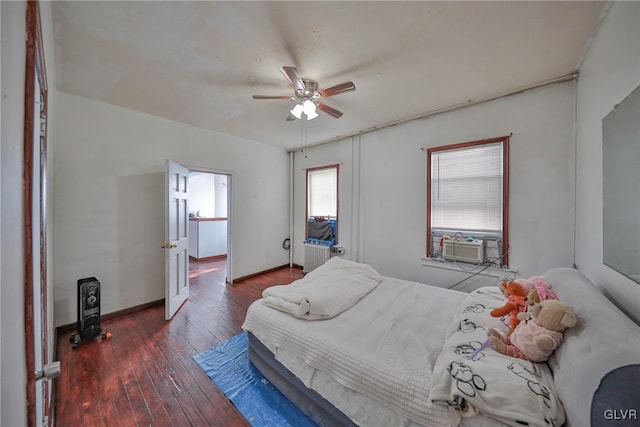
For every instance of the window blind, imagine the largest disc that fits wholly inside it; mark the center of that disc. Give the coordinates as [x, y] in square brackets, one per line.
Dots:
[322, 192]
[466, 188]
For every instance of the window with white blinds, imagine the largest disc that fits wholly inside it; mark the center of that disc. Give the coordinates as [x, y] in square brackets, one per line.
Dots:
[322, 192]
[467, 194]
[466, 188]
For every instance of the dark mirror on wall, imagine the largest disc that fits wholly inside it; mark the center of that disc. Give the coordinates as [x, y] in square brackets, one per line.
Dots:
[621, 187]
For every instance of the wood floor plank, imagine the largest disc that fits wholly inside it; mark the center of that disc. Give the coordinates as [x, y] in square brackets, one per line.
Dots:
[165, 407]
[145, 375]
[113, 392]
[183, 398]
[138, 338]
[140, 333]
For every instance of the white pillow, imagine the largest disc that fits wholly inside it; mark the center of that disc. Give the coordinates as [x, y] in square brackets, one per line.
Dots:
[603, 340]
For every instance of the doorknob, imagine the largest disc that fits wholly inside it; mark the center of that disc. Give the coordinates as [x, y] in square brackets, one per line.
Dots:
[169, 246]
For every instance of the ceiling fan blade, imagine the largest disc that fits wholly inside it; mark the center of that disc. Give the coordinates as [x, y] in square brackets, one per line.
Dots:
[271, 97]
[329, 110]
[291, 73]
[337, 89]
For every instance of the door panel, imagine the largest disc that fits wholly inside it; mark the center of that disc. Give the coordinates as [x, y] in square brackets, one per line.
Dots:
[176, 238]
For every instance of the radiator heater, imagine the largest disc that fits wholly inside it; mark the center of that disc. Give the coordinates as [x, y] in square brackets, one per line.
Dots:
[88, 312]
[315, 256]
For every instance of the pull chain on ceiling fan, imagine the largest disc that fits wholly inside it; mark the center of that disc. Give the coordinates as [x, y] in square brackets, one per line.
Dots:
[307, 95]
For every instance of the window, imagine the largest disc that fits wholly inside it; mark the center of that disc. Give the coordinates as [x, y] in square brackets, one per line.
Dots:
[467, 196]
[322, 201]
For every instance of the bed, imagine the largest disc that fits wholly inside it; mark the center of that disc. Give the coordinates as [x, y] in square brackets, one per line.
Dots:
[385, 359]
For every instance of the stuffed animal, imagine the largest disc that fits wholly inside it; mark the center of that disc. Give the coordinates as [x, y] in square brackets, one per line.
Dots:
[536, 338]
[539, 290]
[516, 294]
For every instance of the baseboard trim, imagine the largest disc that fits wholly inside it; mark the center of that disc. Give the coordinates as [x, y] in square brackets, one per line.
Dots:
[208, 258]
[270, 270]
[72, 327]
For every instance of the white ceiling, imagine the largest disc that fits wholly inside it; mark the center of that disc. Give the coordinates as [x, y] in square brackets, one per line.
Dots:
[199, 63]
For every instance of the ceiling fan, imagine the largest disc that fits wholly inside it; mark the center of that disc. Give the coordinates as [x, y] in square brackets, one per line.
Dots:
[307, 95]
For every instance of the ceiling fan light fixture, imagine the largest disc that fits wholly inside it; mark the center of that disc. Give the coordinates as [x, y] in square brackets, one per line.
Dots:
[307, 94]
[297, 111]
[309, 109]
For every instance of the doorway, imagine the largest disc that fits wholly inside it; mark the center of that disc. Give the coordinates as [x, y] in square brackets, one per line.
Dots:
[209, 227]
[34, 188]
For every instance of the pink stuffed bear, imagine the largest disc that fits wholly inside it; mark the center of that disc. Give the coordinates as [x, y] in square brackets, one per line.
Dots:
[536, 338]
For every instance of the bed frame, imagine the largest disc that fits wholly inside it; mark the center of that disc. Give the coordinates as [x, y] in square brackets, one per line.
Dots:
[309, 401]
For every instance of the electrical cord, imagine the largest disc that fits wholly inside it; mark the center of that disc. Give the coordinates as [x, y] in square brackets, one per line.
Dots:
[480, 271]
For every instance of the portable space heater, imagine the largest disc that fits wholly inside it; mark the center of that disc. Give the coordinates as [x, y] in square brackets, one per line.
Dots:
[88, 312]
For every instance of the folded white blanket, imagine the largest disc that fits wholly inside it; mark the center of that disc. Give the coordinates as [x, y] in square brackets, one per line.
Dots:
[325, 292]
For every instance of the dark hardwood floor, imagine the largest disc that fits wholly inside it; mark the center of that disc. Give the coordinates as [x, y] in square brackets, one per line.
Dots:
[145, 375]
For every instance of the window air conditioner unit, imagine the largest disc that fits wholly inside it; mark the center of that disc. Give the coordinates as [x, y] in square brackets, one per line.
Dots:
[463, 250]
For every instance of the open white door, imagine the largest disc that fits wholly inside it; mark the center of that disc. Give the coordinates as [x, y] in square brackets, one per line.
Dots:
[176, 241]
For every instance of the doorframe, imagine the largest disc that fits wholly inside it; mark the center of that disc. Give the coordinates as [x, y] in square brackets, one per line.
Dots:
[229, 174]
[35, 68]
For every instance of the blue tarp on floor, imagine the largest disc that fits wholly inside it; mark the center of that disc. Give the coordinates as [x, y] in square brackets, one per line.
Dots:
[227, 364]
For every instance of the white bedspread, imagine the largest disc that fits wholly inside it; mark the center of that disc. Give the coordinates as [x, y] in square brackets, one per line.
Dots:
[326, 291]
[384, 347]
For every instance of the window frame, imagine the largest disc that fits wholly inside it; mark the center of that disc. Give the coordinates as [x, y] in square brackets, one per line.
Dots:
[505, 189]
[335, 166]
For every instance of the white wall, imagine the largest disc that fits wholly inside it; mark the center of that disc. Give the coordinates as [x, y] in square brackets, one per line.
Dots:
[610, 72]
[1, 244]
[1, 94]
[12, 352]
[11, 292]
[109, 197]
[202, 194]
[208, 194]
[221, 201]
[382, 190]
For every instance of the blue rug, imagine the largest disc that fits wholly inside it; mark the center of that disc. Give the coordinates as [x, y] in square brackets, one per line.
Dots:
[228, 366]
